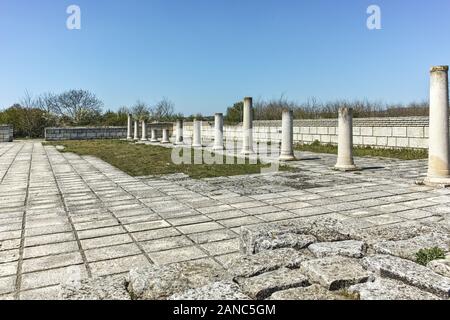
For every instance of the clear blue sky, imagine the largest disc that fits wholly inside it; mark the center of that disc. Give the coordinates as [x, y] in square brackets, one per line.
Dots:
[206, 54]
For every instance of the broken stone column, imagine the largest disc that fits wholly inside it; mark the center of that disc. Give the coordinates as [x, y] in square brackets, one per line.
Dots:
[218, 136]
[136, 130]
[345, 140]
[153, 136]
[287, 136]
[438, 150]
[165, 136]
[197, 133]
[179, 133]
[129, 127]
[144, 130]
[247, 126]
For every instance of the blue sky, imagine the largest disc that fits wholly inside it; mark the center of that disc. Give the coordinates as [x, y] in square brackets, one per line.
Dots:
[205, 55]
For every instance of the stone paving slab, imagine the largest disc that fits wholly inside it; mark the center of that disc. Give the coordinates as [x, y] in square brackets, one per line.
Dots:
[63, 215]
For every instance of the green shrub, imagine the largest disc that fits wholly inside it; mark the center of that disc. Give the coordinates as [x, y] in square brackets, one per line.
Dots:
[423, 256]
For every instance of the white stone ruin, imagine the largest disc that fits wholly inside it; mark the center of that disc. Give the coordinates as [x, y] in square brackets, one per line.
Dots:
[247, 127]
[439, 150]
[345, 141]
[287, 136]
[197, 134]
[218, 133]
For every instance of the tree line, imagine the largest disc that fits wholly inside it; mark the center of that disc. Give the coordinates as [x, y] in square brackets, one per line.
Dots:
[31, 115]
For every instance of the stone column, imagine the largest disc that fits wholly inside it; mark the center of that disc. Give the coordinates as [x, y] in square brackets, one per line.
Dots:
[247, 127]
[136, 130]
[165, 136]
[179, 133]
[438, 150]
[345, 140]
[197, 134]
[129, 127]
[153, 137]
[144, 130]
[218, 135]
[287, 136]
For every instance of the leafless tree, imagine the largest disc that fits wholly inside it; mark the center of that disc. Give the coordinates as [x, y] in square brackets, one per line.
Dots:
[163, 110]
[140, 110]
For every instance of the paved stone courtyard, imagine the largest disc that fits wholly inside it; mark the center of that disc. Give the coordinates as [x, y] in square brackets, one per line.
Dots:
[63, 216]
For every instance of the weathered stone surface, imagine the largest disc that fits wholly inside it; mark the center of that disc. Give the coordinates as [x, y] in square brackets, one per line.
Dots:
[387, 289]
[221, 290]
[348, 248]
[263, 285]
[314, 292]
[409, 272]
[407, 249]
[334, 273]
[394, 232]
[160, 282]
[282, 233]
[248, 266]
[105, 288]
[287, 240]
[441, 267]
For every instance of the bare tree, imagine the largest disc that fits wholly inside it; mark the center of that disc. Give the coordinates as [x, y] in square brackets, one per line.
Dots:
[163, 110]
[80, 106]
[141, 110]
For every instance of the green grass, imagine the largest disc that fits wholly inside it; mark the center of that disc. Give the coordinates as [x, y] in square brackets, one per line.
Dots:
[404, 154]
[423, 256]
[143, 160]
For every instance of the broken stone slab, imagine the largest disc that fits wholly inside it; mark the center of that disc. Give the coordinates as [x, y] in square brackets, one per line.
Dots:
[335, 272]
[262, 286]
[441, 266]
[105, 288]
[408, 272]
[281, 233]
[348, 248]
[394, 232]
[286, 240]
[314, 292]
[248, 266]
[407, 249]
[220, 290]
[160, 282]
[388, 289]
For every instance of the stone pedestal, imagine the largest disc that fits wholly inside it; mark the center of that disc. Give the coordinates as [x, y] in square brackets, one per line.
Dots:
[165, 136]
[247, 127]
[153, 137]
[218, 132]
[345, 141]
[179, 134]
[439, 157]
[287, 136]
[197, 134]
[129, 127]
[144, 131]
[136, 130]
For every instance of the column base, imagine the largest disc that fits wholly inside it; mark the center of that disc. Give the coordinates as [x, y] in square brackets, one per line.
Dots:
[247, 152]
[153, 140]
[180, 143]
[349, 167]
[129, 138]
[437, 182]
[197, 146]
[144, 139]
[287, 157]
[164, 142]
[218, 148]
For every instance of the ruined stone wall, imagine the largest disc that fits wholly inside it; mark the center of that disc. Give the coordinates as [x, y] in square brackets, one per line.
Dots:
[400, 132]
[6, 133]
[85, 133]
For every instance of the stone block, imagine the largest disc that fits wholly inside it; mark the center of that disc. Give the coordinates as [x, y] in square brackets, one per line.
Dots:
[399, 131]
[387, 289]
[314, 292]
[366, 131]
[420, 143]
[370, 141]
[220, 290]
[415, 132]
[441, 266]
[262, 286]
[104, 288]
[402, 142]
[382, 131]
[334, 273]
[349, 248]
[410, 273]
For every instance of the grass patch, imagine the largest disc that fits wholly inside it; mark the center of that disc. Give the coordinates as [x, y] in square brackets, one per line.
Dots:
[404, 154]
[423, 256]
[143, 160]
